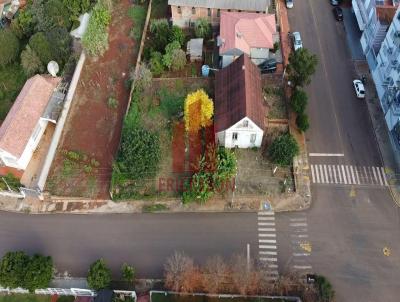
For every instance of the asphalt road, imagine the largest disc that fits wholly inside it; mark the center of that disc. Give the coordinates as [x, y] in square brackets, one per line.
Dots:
[348, 226]
[143, 240]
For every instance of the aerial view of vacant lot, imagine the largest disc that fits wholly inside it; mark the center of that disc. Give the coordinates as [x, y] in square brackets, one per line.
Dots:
[90, 139]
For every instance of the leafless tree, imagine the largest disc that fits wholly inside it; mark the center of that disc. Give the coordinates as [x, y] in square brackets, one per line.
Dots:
[216, 274]
[175, 269]
[246, 277]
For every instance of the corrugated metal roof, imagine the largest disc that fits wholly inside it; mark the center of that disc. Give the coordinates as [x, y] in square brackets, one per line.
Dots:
[250, 5]
[238, 94]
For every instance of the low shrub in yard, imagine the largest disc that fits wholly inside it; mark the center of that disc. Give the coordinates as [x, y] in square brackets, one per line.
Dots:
[169, 54]
[299, 100]
[283, 149]
[99, 275]
[302, 122]
[202, 29]
[31, 62]
[143, 77]
[177, 34]
[156, 64]
[9, 47]
[95, 39]
[178, 59]
[112, 103]
[128, 272]
[171, 103]
[198, 189]
[226, 166]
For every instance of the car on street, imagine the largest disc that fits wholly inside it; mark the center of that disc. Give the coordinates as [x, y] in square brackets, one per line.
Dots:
[289, 3]
[296, 39]
[359, 89]
[338, 12]
[268, 66]
[335, 2]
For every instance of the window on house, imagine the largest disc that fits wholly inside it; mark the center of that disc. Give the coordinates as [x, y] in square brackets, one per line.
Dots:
[209, 12]
[218, 12]
[229, 10]
[245, 123]
[193, 10]
[253, 138]
[234, 136]
[179, 10]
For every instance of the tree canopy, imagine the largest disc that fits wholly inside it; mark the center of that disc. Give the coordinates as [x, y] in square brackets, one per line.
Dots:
[198, 110]
[99, 275]
[302, 65]
[283, 149]
[9, 47]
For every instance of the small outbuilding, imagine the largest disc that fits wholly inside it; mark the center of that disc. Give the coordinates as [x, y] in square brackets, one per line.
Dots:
[239, 110]
[195, 49]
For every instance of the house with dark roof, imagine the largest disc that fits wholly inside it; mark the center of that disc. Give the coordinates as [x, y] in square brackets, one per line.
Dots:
[239, 110]
[186, 12]
[37, 104]
[249, 33]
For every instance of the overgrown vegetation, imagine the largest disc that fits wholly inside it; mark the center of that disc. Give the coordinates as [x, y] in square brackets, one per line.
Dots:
[202, 29]
[17, 269]
[75, 162]
[138, 15]
[156, 207]
[95, 39]
[9, 181]
[283, 149]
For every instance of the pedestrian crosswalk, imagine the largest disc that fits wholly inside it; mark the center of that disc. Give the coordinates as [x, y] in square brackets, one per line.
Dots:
[301, 246]
[267, 245]
[348, 175]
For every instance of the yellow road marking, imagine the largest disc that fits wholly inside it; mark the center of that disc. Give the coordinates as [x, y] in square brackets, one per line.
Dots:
[306, 246]
[386, 251]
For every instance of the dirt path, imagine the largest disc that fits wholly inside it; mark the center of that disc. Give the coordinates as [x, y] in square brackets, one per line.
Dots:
[93, 127]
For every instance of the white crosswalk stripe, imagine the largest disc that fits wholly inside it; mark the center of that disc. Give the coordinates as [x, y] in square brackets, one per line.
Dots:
[348, 175]
[267, 244]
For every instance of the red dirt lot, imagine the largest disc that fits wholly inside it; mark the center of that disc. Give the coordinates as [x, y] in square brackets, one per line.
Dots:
[93, 127]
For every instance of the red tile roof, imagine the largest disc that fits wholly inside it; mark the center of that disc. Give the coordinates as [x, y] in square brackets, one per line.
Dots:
[246, 30]
[238, 94]
[26, 111]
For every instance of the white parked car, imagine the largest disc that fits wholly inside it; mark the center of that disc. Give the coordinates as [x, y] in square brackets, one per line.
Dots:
[359, 88]
[297, 43]
[289, 3]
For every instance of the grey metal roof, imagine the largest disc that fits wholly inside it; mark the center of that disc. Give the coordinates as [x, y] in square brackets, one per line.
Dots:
[250, 5]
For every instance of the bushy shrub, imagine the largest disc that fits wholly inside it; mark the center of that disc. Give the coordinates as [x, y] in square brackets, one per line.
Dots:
[177, 34]
[128, 272]
[299, 100]
[171, 103]
[24, 24]
[31, 62]
[161, 31]
[178, 59]
[39, 43]
[226, 166]
[168, 57]
[76, 8]
[58, 14]
[283, 149]
[202, 28]
[198, 189]
[302, 122]
[99, 275]
[95, 39]
[143, 77]
[9, 47]
[156, 64]
[302, 65]
[60, 44]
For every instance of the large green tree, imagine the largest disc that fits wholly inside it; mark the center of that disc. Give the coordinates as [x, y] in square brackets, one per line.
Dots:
[99, 275]
[38, 272]
[302, 65]
[283, 149]
[31, 62]
[13, 268]
[9, 47]
[39, 43]
[60, 44]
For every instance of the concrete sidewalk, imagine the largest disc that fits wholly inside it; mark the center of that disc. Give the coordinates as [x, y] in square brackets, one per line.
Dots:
[381, 132]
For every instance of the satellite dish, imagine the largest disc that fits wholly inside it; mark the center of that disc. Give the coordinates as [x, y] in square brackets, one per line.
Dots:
[53, 68]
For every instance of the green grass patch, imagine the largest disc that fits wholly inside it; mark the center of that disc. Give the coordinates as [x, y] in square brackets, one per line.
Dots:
[25, 298]
[138, 15]
[157, 207]
[12, 79]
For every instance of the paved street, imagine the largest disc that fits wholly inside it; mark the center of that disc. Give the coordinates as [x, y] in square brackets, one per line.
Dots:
[144, 240]
[353, 216]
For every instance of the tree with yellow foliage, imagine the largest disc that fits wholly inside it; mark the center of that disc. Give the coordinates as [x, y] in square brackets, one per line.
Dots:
[198, 111]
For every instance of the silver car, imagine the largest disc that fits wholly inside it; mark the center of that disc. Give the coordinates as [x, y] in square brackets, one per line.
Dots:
[297, 43]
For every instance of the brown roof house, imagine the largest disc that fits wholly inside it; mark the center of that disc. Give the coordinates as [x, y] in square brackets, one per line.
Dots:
[186, 12]
[27, 120]
[239, 109]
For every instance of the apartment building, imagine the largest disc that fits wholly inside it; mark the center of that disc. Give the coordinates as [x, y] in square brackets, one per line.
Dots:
[386, 75]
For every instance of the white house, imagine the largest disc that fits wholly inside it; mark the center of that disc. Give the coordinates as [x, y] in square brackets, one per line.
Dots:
[250, 33]
[239, 111]
[21, 131]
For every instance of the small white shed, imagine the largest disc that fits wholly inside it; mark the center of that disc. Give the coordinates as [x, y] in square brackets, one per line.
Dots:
[195, 49]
